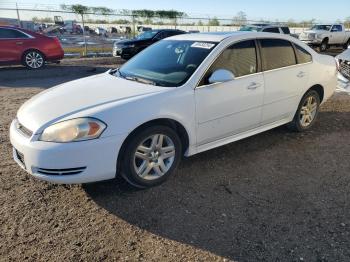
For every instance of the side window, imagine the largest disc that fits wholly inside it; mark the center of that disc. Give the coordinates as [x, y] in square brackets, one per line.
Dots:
[272, 30]
[239, 58]
[9, 33]
[162, 35]
[285, 30]
[303, 56]
[337, 28]
[276, 53]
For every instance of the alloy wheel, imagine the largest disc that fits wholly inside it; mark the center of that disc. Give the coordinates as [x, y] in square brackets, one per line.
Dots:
[154, 157]
[308, 111]
[34, 60]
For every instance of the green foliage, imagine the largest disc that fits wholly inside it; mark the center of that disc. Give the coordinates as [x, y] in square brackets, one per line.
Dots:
[213, 22]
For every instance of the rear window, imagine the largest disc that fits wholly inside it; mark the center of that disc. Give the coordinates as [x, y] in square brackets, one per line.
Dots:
[285, 30]
[303, 56]
[272, 30]
[11, 33]
[277, 53]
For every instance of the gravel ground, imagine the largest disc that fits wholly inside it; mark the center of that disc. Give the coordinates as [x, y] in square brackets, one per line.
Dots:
[277, 196]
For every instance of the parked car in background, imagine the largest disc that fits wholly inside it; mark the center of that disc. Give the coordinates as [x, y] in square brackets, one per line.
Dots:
[101, 31]
[343, 61]
[20, 46]
[267, 28]
[128, 48]
[181, 96]
[326, 35]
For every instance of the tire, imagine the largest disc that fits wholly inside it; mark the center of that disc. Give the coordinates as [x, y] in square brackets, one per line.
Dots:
[307, 112]
[151, 156]
[33, 59]
[324, 45]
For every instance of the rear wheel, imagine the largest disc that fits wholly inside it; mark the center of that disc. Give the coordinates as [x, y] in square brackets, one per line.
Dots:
[151, 156]
[33, 59]
[307, 112]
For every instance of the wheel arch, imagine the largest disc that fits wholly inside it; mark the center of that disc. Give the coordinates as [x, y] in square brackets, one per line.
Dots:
[32, 49]
[319, 89]
[174, 124]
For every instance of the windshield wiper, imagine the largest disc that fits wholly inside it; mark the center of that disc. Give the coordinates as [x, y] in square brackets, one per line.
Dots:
[141, 80]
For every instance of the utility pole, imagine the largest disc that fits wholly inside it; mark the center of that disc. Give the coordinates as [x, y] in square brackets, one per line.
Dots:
[18, 18]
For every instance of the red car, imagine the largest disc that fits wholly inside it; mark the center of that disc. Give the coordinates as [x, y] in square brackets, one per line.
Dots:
[20, 46]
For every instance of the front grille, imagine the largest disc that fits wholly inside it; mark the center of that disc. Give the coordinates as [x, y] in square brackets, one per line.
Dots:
[344, 69]
[25, 131]
[60, 172]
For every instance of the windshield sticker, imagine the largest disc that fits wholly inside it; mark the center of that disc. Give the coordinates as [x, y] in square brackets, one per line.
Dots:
[203, 45]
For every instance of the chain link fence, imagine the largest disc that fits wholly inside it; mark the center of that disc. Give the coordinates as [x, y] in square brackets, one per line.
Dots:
[94, 33]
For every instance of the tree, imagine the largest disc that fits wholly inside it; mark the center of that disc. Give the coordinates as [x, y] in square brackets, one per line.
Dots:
[200, 23]
[81, 10]
[347, 22]
[213, 22]
[240, 18]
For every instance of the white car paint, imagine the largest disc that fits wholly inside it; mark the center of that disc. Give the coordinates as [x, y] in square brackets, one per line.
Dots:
[212, 115]
[343, 60]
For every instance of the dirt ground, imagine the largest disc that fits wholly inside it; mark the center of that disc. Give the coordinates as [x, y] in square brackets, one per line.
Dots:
[277, 196]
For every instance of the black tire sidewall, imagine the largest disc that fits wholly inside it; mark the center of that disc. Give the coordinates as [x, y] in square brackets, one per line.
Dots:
[30, 51]
[127, 168]
[296, 120]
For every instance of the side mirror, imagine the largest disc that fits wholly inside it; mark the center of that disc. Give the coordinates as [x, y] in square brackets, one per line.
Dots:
[220, 76]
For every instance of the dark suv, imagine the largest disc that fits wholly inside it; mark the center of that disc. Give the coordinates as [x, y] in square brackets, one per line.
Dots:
[128, 48]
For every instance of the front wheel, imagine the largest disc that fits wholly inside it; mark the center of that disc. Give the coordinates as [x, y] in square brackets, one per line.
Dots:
[324, 46]
[33, 59]
[307, 112]
[151, 156]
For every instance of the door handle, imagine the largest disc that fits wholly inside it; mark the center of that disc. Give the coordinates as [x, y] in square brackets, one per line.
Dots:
[19, 43]
[301, 74]
[253, 86]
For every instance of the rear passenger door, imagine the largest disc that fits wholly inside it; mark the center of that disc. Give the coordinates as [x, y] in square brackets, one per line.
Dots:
[285, 80]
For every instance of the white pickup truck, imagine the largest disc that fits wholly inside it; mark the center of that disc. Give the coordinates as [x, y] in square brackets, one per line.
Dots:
[326, 35]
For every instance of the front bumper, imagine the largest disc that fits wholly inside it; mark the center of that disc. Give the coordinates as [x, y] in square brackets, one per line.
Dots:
[314, 42]
[96, 159]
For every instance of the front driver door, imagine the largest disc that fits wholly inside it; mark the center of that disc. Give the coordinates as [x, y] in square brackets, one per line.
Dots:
[229, 108]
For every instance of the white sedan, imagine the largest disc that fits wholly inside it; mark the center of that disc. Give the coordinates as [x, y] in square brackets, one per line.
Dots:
[181, 96]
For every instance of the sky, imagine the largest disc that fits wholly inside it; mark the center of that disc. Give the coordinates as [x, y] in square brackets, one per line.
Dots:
[298, 10]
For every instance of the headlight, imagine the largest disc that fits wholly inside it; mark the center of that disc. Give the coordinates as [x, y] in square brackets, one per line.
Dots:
[312, 36]
[78, 129]
[320, 36]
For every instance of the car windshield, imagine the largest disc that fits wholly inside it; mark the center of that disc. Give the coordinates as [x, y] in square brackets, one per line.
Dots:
[167, 63]
[147, 35]
[321, 27]
[250, 28]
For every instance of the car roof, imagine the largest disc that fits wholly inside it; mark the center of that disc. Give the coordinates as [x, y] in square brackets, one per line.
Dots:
[212, 36]
[220, 36]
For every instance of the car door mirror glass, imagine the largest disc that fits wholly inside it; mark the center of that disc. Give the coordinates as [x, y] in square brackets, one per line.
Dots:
[220, 76]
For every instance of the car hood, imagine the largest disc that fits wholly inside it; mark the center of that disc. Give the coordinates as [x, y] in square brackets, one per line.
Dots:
[345, 55]
[76, 96]
[315, 31]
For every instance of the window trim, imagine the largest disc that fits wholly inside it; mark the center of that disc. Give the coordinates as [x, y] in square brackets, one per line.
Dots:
[295, 55]
[258, 62]
[15, 29]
